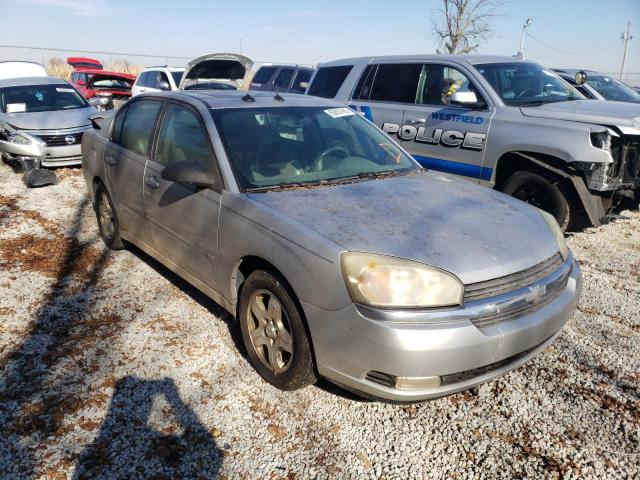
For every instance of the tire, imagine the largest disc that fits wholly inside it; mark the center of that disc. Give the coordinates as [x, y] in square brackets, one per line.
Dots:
[274, 333]
[108, 223]
[543, 192]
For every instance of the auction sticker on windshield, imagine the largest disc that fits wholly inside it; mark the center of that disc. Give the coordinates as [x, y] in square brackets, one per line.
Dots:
[339, 112]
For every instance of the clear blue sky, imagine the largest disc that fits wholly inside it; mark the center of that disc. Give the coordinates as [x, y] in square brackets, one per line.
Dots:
[302, 32]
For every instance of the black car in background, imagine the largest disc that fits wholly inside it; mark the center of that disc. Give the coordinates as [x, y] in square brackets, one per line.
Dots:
[287, 78]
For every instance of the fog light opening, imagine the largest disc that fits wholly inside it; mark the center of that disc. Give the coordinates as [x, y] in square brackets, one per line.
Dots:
[417, 383]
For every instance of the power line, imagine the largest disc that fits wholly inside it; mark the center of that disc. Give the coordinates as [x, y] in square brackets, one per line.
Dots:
[608, 49]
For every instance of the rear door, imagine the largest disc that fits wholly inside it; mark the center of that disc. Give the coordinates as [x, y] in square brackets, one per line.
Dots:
[263, 79]
[441, 136]
[125, 157]
[385, 90]
[283, 80]
[139, 86]
[184, 218]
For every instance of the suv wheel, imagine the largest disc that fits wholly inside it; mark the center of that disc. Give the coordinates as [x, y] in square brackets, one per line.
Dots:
[274, 333]
[542, 192]
[108, 223]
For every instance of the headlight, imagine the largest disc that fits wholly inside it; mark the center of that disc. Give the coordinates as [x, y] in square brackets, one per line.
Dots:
[17, 138]
[557, 232]
[382, 281]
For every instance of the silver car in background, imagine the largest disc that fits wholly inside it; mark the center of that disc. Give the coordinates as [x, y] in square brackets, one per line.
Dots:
[42, 120]
[338, 254]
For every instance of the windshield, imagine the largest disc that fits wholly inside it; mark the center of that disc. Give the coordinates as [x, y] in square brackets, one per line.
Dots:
[285, 146]
[115, 83]
[613, 89]
[177, 76]
[523, 83]
[40, 98]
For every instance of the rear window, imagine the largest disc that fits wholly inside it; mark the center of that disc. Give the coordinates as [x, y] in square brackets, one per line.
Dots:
[328, 81]
[396, 83]
[263, 75]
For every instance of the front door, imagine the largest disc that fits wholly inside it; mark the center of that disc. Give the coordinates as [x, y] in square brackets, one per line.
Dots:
[183, 218]
[124, 160]
[445, 137]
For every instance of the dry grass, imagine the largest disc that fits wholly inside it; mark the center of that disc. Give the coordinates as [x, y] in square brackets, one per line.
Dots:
[62, 70]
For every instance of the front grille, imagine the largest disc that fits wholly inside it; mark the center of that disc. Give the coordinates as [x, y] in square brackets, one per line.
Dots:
[524, 307]
[59, 140]
[508, 283]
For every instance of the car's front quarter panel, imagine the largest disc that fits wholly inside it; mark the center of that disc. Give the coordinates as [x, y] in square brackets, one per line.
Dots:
[309, 262]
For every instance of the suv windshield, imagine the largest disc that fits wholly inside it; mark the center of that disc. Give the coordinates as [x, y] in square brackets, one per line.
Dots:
[613, 89]
[290, 146]
[523, 83]
[40, 98]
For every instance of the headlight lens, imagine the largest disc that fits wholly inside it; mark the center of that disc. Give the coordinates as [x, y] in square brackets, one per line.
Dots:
[382, 281]
[557, 232]
[19, 139]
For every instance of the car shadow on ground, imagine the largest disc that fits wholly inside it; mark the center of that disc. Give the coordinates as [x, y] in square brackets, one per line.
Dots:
[149, 432]
[230, 321]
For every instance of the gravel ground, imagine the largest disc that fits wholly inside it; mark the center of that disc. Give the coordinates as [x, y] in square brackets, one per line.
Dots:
[112, 367]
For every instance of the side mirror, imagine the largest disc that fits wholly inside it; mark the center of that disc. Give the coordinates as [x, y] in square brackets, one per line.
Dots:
[581, 77]
[165, 85]
[187, 171]
[465, 99]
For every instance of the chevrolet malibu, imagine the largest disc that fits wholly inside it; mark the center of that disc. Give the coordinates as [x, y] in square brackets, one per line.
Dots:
[337, 253]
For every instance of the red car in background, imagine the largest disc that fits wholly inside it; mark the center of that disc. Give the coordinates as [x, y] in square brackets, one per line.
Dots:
[91, 80]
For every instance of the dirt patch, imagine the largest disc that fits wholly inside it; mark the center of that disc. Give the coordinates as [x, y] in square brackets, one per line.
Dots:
[63, 173]
[9, 208]
[50, 257]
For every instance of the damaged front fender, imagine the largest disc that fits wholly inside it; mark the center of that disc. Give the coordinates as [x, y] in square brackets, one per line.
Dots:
[33, 147]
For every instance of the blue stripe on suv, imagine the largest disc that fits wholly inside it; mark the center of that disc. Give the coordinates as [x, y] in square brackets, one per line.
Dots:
[458, 168]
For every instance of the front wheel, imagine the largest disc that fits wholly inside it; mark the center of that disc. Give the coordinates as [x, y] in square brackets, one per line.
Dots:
[274, 333]
[542, 192]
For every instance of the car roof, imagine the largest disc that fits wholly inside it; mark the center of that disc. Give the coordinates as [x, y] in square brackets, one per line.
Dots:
[467, 58]
[164, 67]
[21, 81]
[215, 99]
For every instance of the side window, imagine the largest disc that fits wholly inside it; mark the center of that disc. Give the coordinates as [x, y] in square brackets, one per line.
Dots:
[142, 79]
[302, 76]
[439, 82]
[74, 77]
[153, 80]
[328, 81]
[263, 75]
[117, 124]
[396, 82]
[139, 124]
[183, 137]
[283, 80]
[363, 88]
[163, 78]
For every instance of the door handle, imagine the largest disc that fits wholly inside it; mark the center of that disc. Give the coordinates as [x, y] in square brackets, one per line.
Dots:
[151, 182]
[110, 160]
[415, 121]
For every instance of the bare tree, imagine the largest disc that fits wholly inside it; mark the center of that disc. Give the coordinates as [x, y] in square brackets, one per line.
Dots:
[461, 25]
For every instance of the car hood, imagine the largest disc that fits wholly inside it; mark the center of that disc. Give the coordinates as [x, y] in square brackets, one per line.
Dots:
[229, 67]
[626, 116]
[57, 120]
[472, 231]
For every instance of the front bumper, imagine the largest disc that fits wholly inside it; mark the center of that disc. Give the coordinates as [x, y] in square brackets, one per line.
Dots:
[349, 344]
[56, 155]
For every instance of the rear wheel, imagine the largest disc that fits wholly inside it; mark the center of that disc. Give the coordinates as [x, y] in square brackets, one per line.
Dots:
[274, 333]
[108, 223]
[542, 191]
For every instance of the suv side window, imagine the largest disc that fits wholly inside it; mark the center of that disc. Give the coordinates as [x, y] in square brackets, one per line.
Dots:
[263, 75]
[396, 82]
[439, 82]
[302, 76]
[153, 80]
[138, 126]
[363, 88]
[142, 79]
[328, 81]
[283, 80]
[163, 78]
[183, 137]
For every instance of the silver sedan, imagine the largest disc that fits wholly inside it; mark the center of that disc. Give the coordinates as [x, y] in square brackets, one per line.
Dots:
[338, 254]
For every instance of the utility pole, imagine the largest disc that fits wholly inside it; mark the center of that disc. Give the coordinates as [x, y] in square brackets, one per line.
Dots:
[524, 27]
[626, 36]
[240, 46]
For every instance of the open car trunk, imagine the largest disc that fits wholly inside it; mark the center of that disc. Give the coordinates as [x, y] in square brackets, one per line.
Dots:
[227, 68]
[83, 62]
